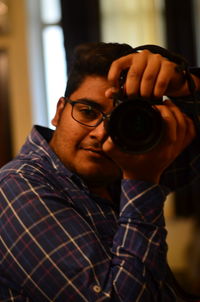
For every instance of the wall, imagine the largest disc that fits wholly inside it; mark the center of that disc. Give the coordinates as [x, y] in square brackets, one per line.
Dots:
[20, 100]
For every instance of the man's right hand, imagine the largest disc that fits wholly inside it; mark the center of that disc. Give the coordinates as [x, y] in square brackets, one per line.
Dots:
[179, 131]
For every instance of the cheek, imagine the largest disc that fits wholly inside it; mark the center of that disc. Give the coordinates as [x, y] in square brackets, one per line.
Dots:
[72, 133]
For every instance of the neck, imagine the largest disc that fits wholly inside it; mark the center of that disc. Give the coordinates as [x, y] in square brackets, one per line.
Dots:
[101, 191]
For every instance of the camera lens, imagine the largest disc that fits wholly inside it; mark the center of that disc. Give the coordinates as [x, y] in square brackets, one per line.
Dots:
[135, 126]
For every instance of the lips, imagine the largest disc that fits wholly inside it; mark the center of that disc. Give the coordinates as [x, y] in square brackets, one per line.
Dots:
[95, 151]
[99, 151]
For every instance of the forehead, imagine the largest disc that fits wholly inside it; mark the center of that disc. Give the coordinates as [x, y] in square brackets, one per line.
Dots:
[93, 88]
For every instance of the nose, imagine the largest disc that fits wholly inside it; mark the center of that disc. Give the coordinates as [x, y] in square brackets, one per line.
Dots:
[99, 132]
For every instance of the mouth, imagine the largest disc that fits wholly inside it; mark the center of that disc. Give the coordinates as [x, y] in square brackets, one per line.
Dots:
[95, 152]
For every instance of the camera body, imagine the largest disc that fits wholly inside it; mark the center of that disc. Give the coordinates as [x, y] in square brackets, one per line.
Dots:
[135, 125]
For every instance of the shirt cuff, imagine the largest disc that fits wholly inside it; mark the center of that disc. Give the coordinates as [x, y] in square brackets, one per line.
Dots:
[143, 201]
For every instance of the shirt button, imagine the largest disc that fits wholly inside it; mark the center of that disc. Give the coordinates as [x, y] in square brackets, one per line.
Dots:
[96, 289]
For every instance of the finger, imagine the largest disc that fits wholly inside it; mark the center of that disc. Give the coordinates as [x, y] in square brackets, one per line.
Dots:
[180, 128]
[150, 75]
[117, 67]
[166, 74]
[190, 131]
[110, 92]
[185, 137]
[136, 64]
[135, 73]
[186, 130]
[180, 120]
[170, 124]
[108, 146]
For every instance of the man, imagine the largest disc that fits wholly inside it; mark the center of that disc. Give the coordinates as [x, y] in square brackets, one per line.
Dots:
[82, 220]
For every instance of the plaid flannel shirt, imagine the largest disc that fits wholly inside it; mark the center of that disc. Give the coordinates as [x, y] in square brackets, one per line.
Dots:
[58, 242]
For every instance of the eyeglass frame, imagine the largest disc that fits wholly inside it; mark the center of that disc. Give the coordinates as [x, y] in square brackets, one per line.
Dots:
[103, 118]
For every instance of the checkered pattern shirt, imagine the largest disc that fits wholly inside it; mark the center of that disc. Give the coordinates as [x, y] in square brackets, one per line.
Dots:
[58, 242]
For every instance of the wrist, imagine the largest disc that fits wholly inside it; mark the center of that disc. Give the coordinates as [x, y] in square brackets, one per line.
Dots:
[140, 177]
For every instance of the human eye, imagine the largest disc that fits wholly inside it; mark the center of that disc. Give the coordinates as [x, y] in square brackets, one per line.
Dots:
[87, 112]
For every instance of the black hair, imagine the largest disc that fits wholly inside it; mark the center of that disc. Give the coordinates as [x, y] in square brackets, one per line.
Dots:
[93, 59]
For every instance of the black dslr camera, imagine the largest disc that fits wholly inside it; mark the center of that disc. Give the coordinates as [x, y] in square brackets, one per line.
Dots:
[135, 125]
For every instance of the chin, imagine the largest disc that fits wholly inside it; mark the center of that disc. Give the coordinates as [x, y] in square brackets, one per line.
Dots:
[100, 175]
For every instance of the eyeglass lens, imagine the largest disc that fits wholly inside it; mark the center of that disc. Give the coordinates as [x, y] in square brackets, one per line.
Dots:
[86, 114]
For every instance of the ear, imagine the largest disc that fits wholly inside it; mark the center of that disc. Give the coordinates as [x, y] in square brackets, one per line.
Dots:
[59, 110]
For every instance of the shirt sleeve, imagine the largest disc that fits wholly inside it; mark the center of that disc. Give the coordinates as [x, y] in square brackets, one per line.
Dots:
[185, 169]
[49, 251]
[139, 245]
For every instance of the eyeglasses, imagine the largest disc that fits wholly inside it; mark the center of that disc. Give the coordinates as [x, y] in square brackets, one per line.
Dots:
[86, 114]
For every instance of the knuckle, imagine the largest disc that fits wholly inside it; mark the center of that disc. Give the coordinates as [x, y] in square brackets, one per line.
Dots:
[149, 77]
[169, 64]
[161, 84]
[157, 56]
[144, 52]
[134, 73]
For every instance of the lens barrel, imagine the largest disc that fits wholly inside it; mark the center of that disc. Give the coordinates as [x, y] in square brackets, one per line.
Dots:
[135, 126]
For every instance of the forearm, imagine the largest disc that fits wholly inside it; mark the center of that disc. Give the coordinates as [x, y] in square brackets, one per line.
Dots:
[139, 245]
